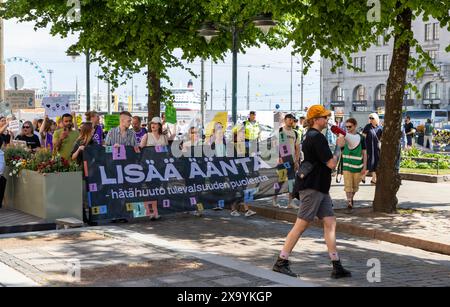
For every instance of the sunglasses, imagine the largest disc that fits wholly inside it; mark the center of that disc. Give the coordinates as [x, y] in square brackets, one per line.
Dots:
[371, 118]
[349, 127]
[26, 127]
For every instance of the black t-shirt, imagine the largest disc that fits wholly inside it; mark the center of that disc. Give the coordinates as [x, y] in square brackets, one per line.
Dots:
[408, 127]
[32, 141]
[75, 148]
[316, 150]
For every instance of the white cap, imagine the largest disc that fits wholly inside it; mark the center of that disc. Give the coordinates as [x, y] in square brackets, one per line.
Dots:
[156, 120]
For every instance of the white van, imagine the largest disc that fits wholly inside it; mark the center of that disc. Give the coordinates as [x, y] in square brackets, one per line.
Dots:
[419, 117]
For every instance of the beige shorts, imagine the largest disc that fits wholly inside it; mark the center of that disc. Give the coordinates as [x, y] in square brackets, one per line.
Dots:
[351, 181]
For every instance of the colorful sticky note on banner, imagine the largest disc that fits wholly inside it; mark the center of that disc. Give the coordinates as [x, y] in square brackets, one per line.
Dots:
[285, 150]
[249, 195]
[130, 207]
[282, 175]
[193, 201]
[291, 185]
[200, 207]
[282, 137]
[119, 153]
[159, 148]
[166, 203]
[92, 187]
[276, 186]
[103, 209]
[139, 210]
[287, 165]
[221, 203]
[151, 208]
[108, 149]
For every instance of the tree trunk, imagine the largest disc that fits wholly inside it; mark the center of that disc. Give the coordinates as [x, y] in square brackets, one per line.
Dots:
[154, 94]
[388, 178]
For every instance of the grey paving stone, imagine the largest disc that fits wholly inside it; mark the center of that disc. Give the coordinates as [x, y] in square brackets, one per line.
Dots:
[210, 273]
[137, 283]
[173, 279]
[231, 281]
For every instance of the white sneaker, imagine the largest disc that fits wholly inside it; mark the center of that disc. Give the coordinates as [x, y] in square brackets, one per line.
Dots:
[249, 213]
[292, 206]
[235, 213]
[275, 205]
[198, 213]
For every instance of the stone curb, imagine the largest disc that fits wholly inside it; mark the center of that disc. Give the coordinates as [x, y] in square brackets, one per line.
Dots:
[425, 178]
[352, 229]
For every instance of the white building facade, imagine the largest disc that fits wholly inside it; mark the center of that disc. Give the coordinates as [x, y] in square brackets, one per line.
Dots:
[346, 90]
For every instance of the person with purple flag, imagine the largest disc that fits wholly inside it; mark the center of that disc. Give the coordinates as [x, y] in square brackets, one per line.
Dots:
[138, 129]
[94, 118]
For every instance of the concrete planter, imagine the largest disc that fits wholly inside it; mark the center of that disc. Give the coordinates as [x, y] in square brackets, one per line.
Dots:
[48, 196]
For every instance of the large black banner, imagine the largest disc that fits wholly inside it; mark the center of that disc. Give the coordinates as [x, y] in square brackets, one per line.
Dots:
[124, 184]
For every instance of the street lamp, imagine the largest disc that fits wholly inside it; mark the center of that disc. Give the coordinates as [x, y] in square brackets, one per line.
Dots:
[74, 55]
[209, 30]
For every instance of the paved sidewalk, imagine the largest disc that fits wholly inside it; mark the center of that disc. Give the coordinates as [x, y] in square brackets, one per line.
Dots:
[257, 241]
[423, 221]
[111, 256]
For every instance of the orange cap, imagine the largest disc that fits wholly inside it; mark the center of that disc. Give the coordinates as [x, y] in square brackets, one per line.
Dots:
[317, 111]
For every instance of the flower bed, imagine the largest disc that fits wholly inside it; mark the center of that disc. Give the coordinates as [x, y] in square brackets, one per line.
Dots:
[416, 159]
[44, 186]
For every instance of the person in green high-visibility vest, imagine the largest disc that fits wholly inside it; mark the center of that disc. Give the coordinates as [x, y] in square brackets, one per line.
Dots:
[354, 163]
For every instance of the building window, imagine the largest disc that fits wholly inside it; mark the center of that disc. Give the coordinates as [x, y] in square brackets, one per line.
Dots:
[363, 63]
[431, 91]
[337, 94]
[433, 55]
[428, 31]
[356, 62]
[360, 93]
[380, 92]
[385, 62]
[407, 95]
[378, 63]
[436, 31]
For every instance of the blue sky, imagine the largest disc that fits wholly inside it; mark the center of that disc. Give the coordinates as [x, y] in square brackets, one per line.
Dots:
[268, 86]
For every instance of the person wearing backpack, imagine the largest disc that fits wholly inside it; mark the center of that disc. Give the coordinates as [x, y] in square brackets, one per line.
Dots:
[314, 191]
[354, 164]
[428, 137]
[292, 136]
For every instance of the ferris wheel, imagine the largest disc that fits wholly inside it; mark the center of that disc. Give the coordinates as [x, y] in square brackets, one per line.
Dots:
[29, 74]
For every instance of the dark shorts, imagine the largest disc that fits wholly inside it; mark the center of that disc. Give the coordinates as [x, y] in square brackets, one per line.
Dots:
[409, 140]
[314, 203]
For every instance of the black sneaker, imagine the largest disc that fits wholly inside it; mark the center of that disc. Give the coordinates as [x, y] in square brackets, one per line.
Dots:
[339, 271]
[282, 266]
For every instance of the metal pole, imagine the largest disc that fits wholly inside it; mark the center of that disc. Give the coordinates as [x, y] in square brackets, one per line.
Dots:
[2, 63]
[202, 93]
[321, 83]
[97, 103]
[136, 94]
[226, 107]
[76, 92]
[50, 76]
[234, 77]
[248, 91]
[132, 93]
[109, 96]
[292, 65]
[302, 85]
[88, 81]
[212, 88]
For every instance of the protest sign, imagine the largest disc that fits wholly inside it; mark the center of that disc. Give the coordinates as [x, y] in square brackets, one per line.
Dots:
[123, 188]
[56, 106]
[111, 121]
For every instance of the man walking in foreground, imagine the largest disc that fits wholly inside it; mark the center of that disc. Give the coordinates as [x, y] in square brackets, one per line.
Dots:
[314, 190]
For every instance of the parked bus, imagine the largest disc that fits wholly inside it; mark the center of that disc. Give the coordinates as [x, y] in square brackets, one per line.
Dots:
[419, 117]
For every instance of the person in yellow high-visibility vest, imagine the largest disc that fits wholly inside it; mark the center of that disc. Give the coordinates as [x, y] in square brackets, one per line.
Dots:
[252, 133]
